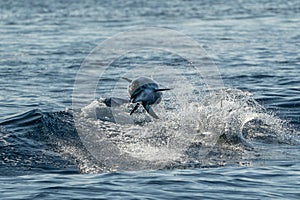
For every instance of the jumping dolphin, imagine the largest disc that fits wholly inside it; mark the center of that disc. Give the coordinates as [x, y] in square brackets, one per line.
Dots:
[145, 91]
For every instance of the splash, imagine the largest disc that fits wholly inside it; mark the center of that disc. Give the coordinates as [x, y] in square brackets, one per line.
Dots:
[221, 127]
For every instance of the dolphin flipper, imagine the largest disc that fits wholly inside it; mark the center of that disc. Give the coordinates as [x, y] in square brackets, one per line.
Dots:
[135, 108]
[150, 111]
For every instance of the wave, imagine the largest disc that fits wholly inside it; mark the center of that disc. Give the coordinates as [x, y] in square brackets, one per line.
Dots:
[226, 127]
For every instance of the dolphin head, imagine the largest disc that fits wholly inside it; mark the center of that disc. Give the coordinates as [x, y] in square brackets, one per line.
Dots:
[145, 91]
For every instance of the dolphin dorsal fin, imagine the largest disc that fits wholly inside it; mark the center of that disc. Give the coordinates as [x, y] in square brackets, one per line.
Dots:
[127, 79]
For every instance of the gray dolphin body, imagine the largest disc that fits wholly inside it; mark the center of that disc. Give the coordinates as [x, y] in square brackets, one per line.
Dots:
[145, 91]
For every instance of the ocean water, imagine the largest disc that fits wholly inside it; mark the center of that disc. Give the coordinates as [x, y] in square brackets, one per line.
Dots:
[230, 132]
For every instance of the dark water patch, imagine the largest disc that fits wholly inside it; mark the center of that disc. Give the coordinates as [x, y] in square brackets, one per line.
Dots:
[19, 123]
[25, 148]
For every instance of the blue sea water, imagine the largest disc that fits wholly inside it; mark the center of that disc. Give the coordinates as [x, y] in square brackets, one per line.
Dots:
[255, 46]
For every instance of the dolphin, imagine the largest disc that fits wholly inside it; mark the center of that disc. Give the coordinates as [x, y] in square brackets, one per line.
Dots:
[145, 91]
